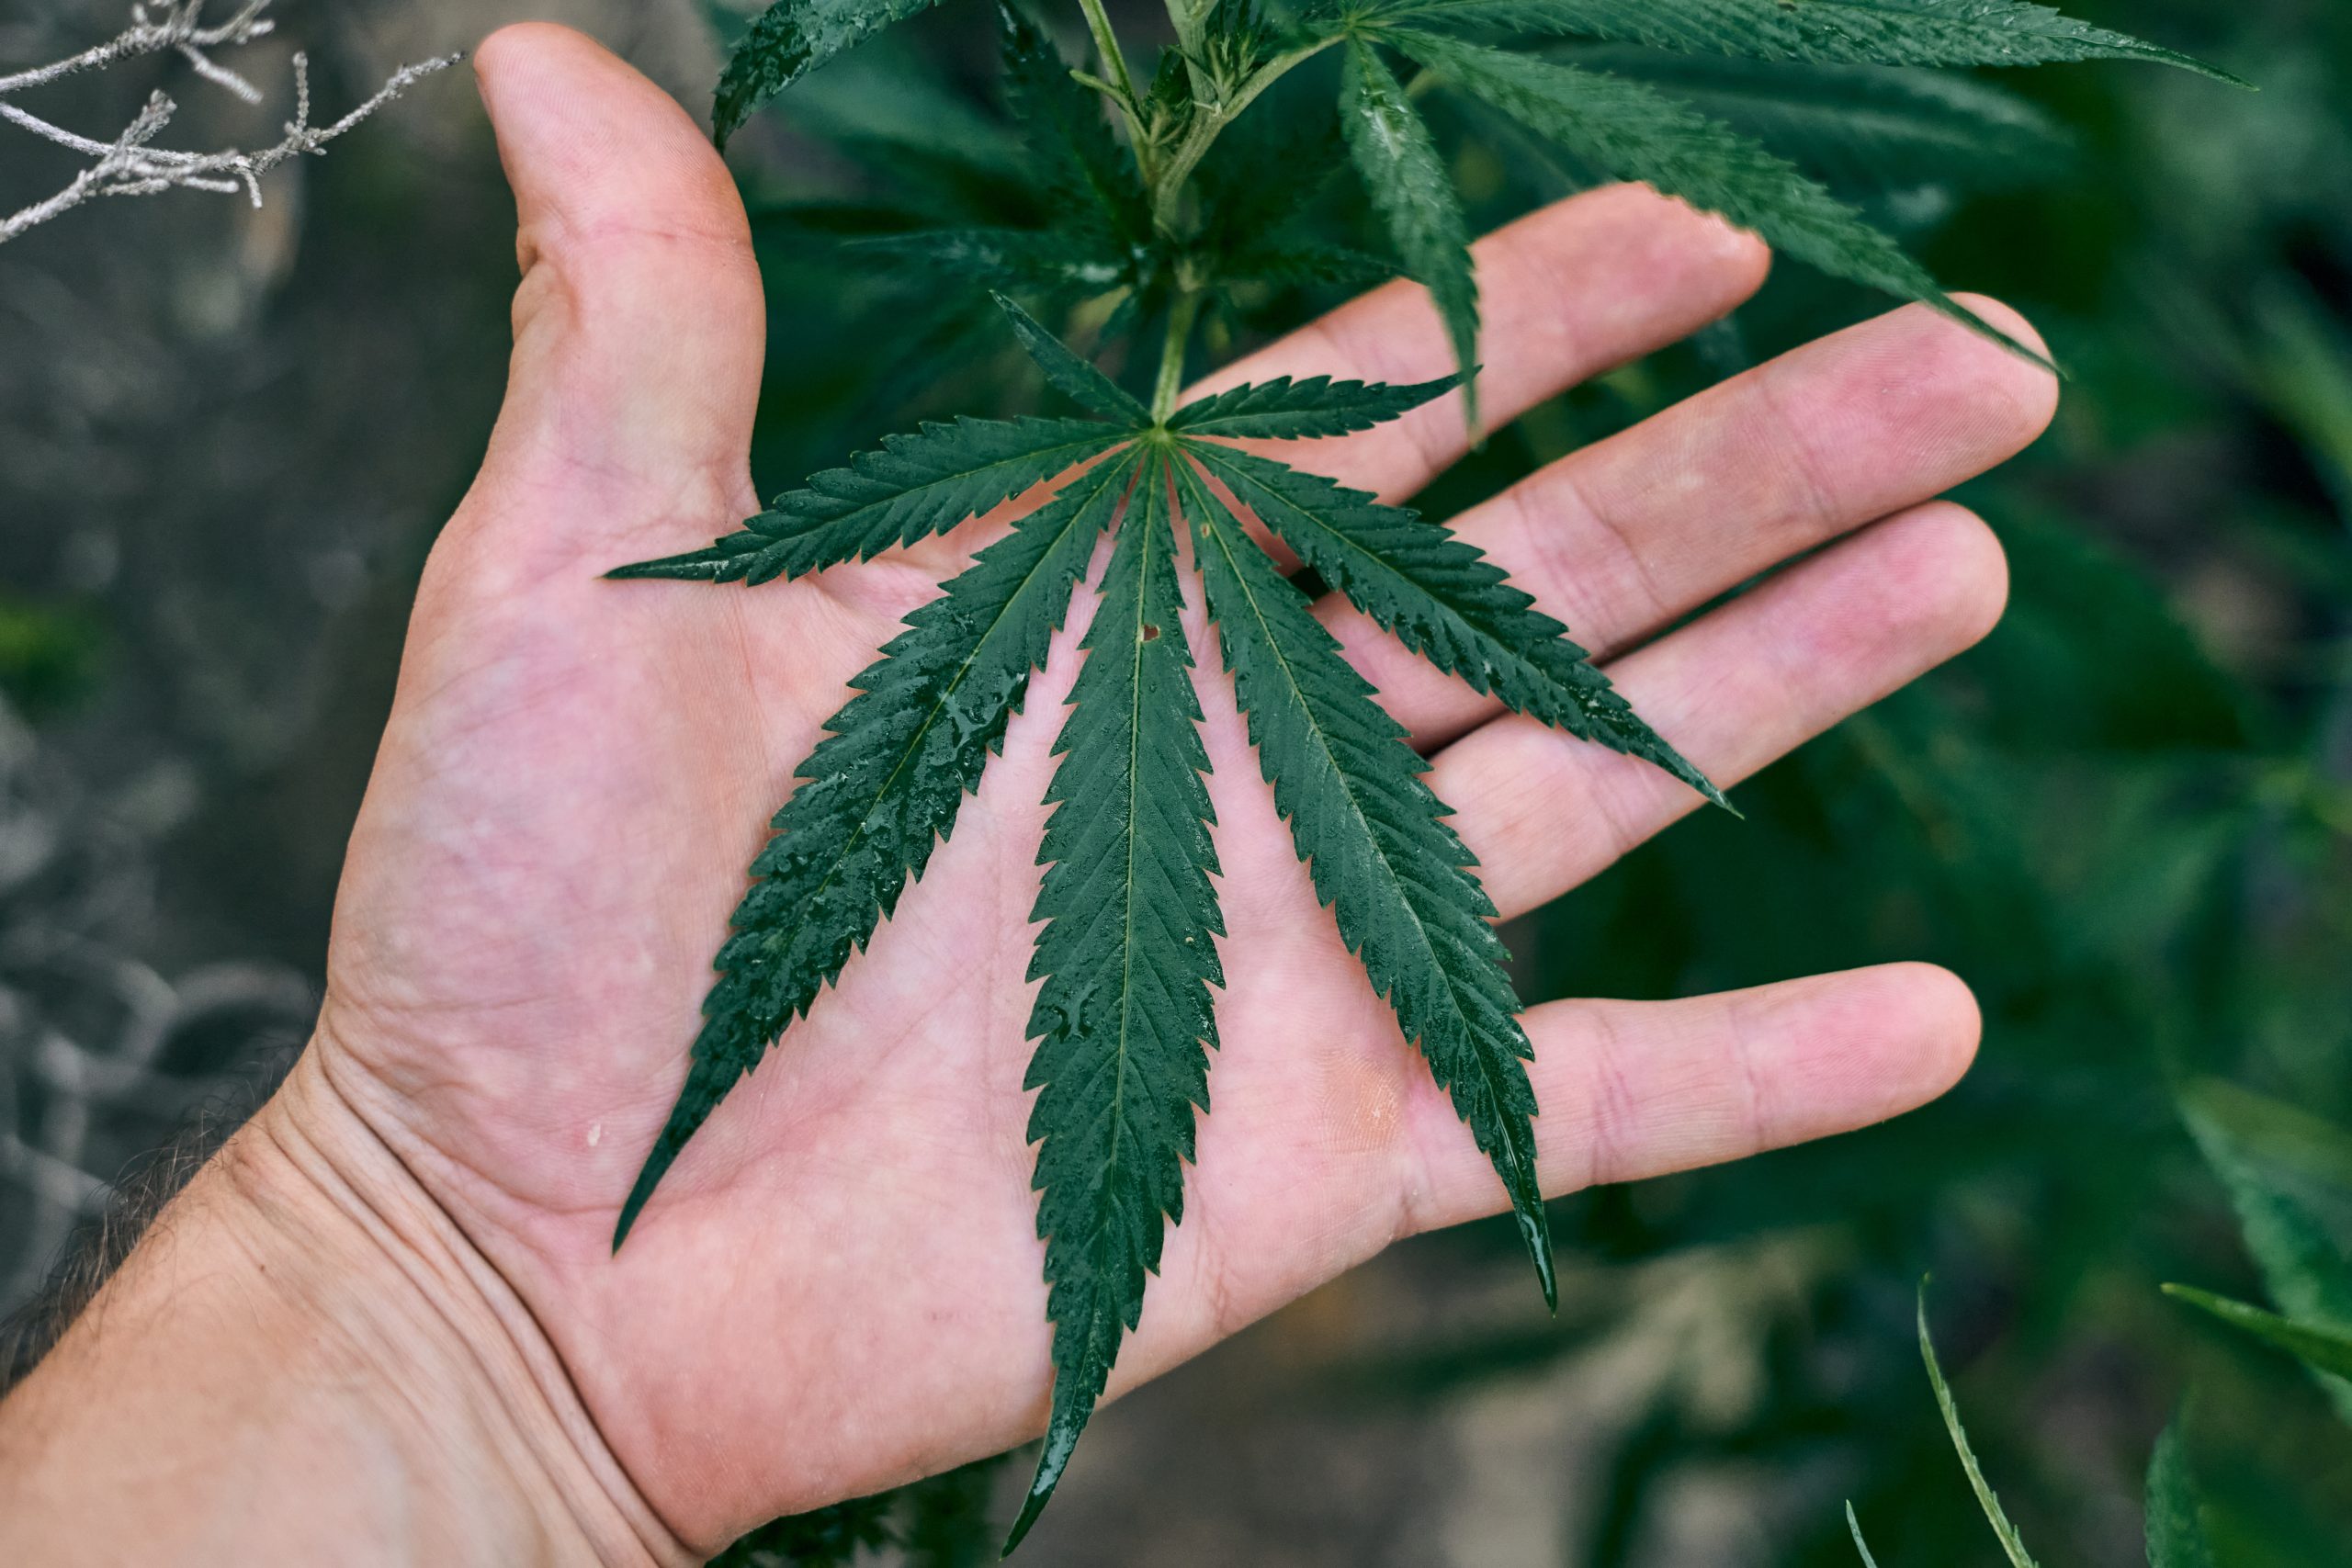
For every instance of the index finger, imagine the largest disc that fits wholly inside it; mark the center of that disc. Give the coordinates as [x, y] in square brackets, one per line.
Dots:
[1566, 292]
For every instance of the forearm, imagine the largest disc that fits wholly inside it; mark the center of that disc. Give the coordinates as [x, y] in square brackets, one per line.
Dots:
[305, 1362]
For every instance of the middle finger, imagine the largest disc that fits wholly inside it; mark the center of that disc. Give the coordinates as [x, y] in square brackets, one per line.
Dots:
[1624, 537]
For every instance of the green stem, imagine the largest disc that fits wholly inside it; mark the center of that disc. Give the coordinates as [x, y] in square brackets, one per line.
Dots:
[1209, 119]
[1115, 61]
[1181, 314]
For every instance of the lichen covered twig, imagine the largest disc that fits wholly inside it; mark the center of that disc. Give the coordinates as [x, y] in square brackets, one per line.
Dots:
[131, 164]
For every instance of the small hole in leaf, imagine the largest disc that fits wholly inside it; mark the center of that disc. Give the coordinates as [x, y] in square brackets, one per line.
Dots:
[1150, 633]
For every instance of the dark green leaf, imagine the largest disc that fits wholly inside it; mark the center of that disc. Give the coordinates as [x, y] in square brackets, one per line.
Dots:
[916, 485]
[1863, 127]
[1378, 849]
[883, 792]
[1045, 260]
[1303, 264]
[2288, 1175]
[1414, 196]
[2317, 1346]
[884, 109]
[1855, 1526]
[940, 1522]
[1266, 173]
[1439, 595]
[791, 38]
[1285, 410]
[1635, 134]
[2007, 1532]
[1070, 375]
[832, 1537]
[2175, 1531]
[1128, 954]
[51, 656]
[1085, 173]
[1844, 32]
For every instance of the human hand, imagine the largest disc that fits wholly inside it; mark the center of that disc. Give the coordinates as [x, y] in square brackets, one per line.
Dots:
[837, 1288]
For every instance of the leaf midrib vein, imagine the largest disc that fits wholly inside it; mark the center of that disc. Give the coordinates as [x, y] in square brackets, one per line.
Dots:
[914, 742]
[1476, 634]
[846, 520]
[1396, 877]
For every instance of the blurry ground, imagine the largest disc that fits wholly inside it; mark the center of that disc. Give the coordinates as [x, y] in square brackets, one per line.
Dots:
[227, 436]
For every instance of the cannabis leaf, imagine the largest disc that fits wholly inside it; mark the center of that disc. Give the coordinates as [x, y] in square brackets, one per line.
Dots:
[1439, 597]
[1303, 263]
[1155, 230]
[1070, 375]
[2012, 1545]
[1040, 260]
[2175, 1528]
[915, 487]
[2320, 1347]
[1084, 173]
[1378, 848]
[2288, 1177]
[1285, 410]
[1863, 126]
[1635, 134]
[1846, 32]
[1409, 188]
[883, 791]
[792, 38]
[1128, 954]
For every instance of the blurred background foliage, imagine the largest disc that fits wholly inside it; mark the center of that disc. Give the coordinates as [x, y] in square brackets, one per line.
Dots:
[2126, 819]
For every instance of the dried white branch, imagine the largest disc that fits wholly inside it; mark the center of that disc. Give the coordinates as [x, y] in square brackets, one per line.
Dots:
[130, 164]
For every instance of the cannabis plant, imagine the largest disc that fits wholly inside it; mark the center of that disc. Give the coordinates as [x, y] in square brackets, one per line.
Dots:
[1144, 230]
[2288, 1177]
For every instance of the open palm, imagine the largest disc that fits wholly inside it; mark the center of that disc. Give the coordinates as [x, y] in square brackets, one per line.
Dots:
[838, 1286]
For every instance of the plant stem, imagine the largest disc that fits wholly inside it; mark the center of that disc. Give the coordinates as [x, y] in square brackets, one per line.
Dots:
[1115, 61]
[1181, 314]
[1209, 119]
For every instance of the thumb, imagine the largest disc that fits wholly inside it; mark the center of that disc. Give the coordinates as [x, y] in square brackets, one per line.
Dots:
[639, 324]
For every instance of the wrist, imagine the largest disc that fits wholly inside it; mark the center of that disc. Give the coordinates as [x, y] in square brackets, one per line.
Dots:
[303, 1324]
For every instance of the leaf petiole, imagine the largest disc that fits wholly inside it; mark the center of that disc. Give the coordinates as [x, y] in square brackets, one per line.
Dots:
[1210, 119]
[1121, 87]
[1182, 313]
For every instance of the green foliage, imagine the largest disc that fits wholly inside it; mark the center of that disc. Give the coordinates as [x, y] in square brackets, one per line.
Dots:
[2011, 1545]
[883, 792]
[791, 38]
[1853, 32]
[1091, 185]
[1410, 189]
[1854, 1528]
[915, 487]
[2252, 1144]
[1635, 134]
[1865, 128]
[1285, 410]
[49, 657]
[2325, 1349]
[1441, 598]
[1071, 375]
[1379, 850]
[1128, 955]
[1132, 211]
[938, 1522]
[2288, 1177]
[1376, 842]
[2175, 1529]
